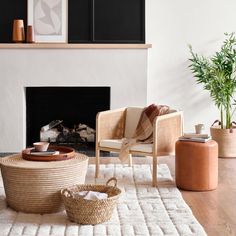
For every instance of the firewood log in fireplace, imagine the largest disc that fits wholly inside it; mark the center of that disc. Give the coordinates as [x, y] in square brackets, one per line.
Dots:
[80, 133]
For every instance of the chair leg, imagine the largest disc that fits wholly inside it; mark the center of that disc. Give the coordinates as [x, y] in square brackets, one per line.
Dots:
[130, 160]
[97, 172]
[154, 172]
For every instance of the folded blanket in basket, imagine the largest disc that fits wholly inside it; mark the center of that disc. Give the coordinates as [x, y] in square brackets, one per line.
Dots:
[91, 195]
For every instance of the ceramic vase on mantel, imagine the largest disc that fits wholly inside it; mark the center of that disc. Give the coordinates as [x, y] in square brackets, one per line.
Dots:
[30, 34]
[18, 31]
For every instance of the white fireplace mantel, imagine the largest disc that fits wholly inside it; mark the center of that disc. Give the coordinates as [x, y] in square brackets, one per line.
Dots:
[123, 69]
[72, 46]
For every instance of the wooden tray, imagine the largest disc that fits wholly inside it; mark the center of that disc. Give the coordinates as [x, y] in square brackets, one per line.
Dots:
[65, 154]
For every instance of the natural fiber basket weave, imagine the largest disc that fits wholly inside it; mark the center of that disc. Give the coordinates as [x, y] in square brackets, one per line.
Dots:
[34, 187]
[91, 212]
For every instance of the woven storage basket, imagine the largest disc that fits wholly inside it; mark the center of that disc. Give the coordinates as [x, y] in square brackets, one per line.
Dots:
[226, 140]
[34, 187]
[91, 212]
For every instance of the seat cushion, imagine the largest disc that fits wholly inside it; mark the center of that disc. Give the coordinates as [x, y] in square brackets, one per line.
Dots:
[116, 144]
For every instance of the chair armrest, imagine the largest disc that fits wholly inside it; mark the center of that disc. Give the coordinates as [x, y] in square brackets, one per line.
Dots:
[167, 129]
[110, 124]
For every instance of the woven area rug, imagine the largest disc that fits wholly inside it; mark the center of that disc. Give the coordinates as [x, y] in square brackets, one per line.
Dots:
[142, 209]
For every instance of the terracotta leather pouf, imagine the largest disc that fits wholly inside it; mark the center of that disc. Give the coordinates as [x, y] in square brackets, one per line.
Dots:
[196, 165]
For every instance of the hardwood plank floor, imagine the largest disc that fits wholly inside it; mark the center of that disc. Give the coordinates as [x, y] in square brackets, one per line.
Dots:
[215, 210]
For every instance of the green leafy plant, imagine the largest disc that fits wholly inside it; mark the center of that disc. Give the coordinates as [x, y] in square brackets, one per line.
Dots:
[218, 75]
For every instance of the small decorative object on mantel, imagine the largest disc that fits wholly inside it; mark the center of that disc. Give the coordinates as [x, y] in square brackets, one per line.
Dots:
[18, 35]
[30, 34]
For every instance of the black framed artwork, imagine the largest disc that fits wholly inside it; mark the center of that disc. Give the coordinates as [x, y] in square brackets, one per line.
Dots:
[119, 21]
[106, 21]
[79, 21]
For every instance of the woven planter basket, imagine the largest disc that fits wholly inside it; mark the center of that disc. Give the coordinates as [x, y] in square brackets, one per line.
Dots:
[34, 187]
[226, 140]
[91, 212]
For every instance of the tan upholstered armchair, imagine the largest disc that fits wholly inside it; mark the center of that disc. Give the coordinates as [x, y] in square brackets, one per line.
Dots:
[113, 125]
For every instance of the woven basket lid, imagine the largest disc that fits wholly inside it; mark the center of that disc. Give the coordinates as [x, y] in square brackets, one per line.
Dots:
[17, 161]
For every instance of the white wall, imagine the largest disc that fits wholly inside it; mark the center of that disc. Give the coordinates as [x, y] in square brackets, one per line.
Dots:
[171, 26]
[124, 70]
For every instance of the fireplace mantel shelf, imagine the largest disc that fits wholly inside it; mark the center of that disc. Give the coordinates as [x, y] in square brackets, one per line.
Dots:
[72, 46]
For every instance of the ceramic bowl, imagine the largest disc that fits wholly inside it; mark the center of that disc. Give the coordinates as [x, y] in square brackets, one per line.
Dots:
[41, 146]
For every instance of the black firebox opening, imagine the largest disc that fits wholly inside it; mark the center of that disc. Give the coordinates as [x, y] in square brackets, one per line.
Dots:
[73, 105]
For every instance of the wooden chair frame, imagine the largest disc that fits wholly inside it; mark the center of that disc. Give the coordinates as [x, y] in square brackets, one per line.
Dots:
[166, 131]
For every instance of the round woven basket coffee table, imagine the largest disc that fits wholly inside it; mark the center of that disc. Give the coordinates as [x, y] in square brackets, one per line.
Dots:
[34, 187]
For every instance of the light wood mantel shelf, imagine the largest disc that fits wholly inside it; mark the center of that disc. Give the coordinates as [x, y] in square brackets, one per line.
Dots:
[72, 46]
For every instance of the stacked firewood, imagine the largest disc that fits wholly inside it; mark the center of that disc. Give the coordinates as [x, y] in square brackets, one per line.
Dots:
[57, 132]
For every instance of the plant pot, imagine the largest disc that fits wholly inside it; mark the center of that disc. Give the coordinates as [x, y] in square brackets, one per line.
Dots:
[226, 141]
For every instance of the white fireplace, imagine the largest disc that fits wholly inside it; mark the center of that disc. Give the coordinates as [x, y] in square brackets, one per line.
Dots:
[124, 70]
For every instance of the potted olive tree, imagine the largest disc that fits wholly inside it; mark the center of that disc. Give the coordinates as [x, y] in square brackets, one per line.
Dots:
[218, 75]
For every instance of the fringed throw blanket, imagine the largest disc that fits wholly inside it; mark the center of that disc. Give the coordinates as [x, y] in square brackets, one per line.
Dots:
[144, 130]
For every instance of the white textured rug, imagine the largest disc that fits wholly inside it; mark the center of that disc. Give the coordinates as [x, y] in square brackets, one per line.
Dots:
[142, 209]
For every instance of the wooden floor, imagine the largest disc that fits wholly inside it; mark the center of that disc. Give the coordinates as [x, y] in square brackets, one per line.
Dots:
[215, 210]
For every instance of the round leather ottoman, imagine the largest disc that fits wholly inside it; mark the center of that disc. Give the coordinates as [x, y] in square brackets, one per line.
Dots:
[196, 165]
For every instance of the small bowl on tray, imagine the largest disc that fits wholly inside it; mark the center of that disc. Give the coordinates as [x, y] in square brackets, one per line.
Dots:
[41, 146]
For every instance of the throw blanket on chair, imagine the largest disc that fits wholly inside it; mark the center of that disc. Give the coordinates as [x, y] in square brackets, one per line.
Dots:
[144, 130]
